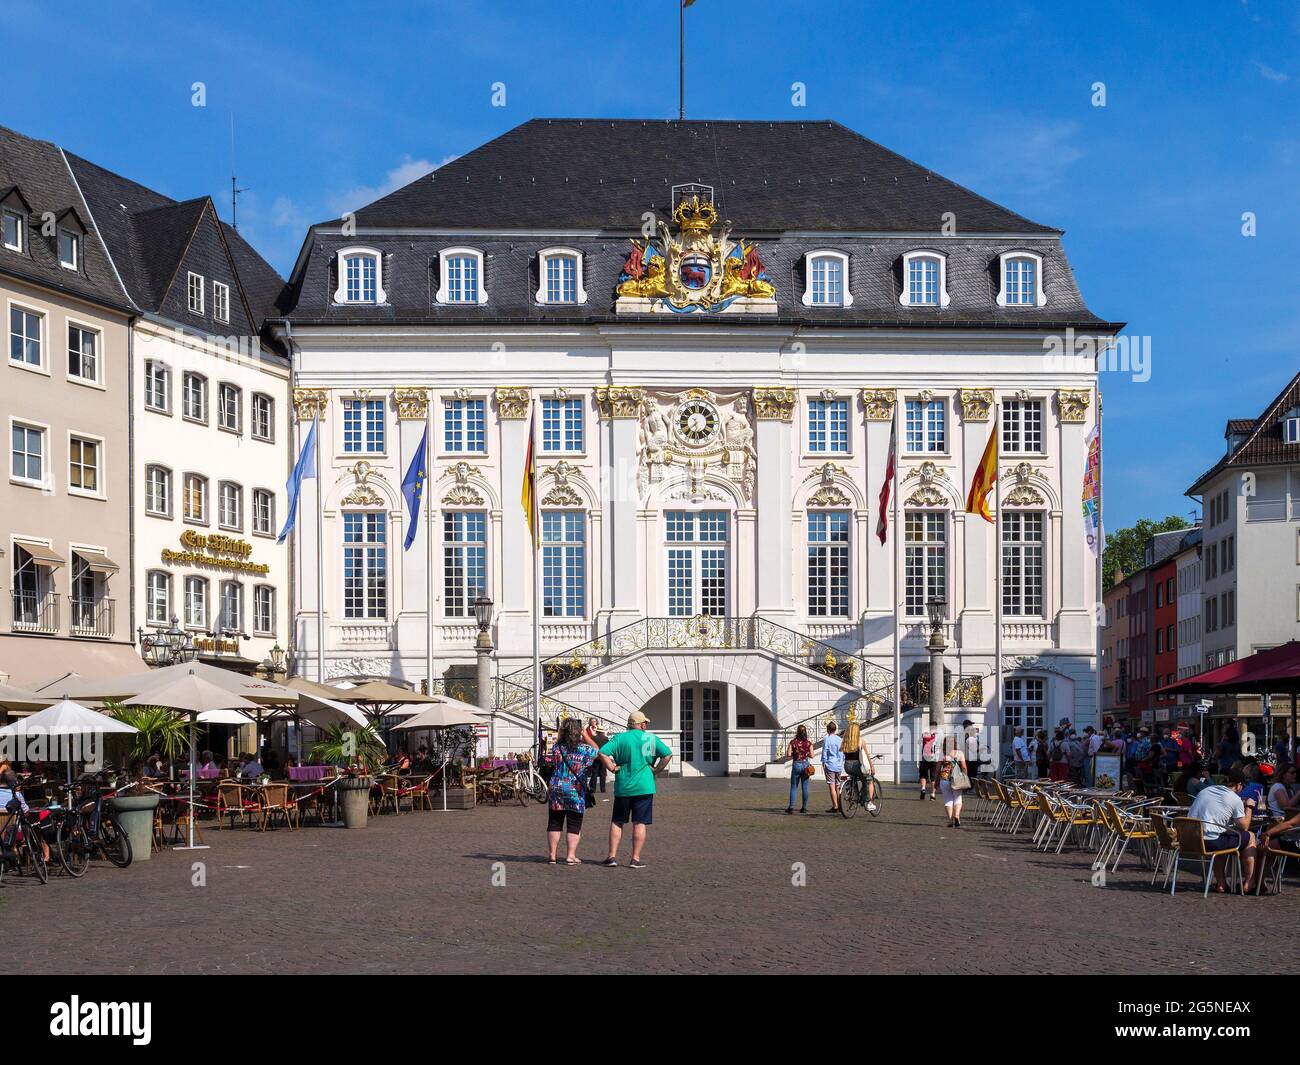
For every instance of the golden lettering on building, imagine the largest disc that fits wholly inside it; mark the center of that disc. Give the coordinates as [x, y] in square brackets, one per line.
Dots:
[215, 550]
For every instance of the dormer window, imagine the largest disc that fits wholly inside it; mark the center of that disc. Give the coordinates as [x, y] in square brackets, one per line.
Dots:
[1291, 426]
[827, 275]
[194, 290]
[12, 230]
[361, 277]
[69, 249]
[220, 301]
[462, 276]
[1022, 280]
[560, 276]
[925, 280]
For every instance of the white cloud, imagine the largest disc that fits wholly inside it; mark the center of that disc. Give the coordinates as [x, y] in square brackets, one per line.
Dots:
[1271, 74]
[404, 173]
[284, 212]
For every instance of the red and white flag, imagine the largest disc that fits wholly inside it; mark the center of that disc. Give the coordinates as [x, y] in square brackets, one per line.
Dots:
[882, 522]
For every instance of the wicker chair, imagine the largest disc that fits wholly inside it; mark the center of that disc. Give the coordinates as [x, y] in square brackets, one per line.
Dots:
[277, 801]
[1191, 844]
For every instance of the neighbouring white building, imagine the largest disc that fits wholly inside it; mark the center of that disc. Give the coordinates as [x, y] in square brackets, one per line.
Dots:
[209, 409]
[714, 402]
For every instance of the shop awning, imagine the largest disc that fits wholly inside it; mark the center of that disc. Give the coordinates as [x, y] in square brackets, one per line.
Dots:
[43, 554]
[30, 661]
[1272, 672]
[97, 561]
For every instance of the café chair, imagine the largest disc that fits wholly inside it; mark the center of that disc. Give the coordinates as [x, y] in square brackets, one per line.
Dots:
[1191, 844]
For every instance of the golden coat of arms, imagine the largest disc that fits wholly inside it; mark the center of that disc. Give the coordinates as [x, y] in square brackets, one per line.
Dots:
[696, 271]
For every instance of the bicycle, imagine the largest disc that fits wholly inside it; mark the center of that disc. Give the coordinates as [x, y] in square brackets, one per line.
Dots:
[529, 782]
[854, 793]
[85, 828]
[19, 837]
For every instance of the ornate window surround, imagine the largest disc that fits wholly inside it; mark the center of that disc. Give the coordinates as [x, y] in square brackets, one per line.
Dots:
[580, 293]
[925, 253]
[341, 293]
[825, 253]
[443, 296]
[1040, 291]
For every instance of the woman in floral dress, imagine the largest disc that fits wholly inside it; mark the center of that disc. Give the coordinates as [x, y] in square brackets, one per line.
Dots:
[567, 798]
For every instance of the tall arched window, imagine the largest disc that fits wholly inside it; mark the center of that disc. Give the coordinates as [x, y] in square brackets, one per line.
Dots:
[365, 565]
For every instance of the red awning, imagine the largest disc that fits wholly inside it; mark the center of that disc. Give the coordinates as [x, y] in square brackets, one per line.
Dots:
[1272, 672]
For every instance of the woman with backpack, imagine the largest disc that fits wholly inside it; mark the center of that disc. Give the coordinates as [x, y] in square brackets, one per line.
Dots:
[566, 799]
[1058, 755]
[953, 780]
[799, 751]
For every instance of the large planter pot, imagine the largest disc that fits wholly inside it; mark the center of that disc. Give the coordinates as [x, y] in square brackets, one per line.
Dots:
[354, 800]
[134, 816]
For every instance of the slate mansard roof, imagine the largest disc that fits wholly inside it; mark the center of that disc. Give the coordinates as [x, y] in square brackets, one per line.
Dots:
[792, 187]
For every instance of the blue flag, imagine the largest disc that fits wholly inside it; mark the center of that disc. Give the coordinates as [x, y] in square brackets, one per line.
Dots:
[305, 467]
[413, 488]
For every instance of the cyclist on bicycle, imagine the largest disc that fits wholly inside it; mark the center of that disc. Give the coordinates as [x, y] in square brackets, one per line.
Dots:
[9, 793]
[855, 754]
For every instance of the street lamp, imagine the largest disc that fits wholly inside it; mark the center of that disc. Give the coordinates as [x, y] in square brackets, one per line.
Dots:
[937, 608]
[167, 646]
[276, 655]
[483, 650]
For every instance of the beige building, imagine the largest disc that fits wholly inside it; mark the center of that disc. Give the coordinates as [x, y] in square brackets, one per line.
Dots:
[65, 544]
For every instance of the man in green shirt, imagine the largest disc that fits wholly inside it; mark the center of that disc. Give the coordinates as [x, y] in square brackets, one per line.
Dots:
[633, 757]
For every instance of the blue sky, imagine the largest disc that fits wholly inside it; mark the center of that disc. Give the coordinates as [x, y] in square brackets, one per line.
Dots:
[337, 103]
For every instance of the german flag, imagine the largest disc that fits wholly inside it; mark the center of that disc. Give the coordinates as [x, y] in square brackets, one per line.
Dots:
[986, 474]
[528, 493]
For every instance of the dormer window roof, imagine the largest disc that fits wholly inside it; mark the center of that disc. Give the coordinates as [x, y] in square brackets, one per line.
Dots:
[461, 277]
[1021, 280]
[14, 212]
[361, 276]
[925, 279]
[1291, 426]
[826, 274]
[559, 277]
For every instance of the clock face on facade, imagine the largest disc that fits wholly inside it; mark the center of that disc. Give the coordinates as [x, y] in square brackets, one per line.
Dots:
[697, 421]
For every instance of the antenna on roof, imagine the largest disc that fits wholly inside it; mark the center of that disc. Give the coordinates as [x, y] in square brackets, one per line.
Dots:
[235, 190]
[681, 58]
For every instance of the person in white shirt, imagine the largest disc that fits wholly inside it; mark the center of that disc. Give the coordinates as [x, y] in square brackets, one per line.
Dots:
[252, 768]
[1020, 754]
[1091, 745]
[1225, 822]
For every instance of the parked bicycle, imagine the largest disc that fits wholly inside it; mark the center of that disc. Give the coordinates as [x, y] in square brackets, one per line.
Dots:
[85, 829]
[20, 843]
[528, 781]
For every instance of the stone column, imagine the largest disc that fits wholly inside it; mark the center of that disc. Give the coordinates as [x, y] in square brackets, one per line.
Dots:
[411, 606]
[978, 539]
[1075, 565]
[309, 404]
[620, 412]
[774, 411]
[878, 408]
[514, 593]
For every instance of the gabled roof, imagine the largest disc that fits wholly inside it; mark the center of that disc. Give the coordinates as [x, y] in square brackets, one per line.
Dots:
[1264, 444]
[38, 172]
[602, 173]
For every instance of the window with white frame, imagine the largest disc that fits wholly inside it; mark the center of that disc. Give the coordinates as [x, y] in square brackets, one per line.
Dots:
[83, 353]
[464, 561]
[264, 610]
[562, 425]
[263, 417]
[925, 280]
[697, 562]
[158, 491]
[365, 565]
[1022, 426]
[229, 407]
[231, 614]
[360, 276]
[194, 397]
[1291, 427]
[27, 450]
[1022, 563]
[926, 426]
[828, 426]
[363, 426]
[194, 498]
[157, 387]
[196, 602]
[263, 511]
[69, 249]
[464, 426]
[560, 277]
[1022, 280]
[14, 230]
[230, 506]
[158, 597]
[194, 289]
[462, 276]
[925, 559]
[83, 465]
[564, 564]
[1024, 704]
[828, 563]
[220, 301]
[827, 280]
[25, 337]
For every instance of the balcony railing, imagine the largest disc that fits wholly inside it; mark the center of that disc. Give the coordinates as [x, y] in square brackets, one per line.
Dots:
[92, 617]
[35, 612]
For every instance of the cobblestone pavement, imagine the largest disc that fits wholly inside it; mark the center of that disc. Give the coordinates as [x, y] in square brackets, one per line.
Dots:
[415, 893]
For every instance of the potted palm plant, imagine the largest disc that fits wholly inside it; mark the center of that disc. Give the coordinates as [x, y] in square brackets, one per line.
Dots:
[157, 729]
[358, 752]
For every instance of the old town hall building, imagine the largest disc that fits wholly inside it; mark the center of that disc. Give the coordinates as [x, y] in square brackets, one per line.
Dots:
[716, 328]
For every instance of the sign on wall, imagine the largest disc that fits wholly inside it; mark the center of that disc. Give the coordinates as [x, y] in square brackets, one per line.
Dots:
[217, 551]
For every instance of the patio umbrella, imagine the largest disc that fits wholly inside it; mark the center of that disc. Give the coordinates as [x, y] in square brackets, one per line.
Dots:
[66, 718]
[201, 700]
[445, 712]
[255, 689]
[323, 705]
[385, 700]
[21, 701]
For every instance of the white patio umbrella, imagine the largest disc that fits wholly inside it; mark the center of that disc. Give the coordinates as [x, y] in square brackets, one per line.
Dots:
[444, 712]
[66, 718]
[14, 699]
[202, 701]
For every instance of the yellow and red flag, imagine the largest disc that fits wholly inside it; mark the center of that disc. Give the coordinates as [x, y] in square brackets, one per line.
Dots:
[986, 475]
[527, 494]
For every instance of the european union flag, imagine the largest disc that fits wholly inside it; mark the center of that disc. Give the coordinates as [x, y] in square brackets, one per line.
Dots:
[413, 488]
[304, 468]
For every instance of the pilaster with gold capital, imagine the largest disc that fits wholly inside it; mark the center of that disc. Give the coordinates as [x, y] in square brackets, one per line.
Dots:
[620, 401]
[512, 403]
[774, 404]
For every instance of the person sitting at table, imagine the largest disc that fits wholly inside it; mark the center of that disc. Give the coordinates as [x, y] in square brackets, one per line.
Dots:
[421, 763]
[1225, 823]
[1283, 796]
[1280, 838]
[402, 764]
[207, 764]
[1254, 788]
[1198, 779]
[251, 767]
